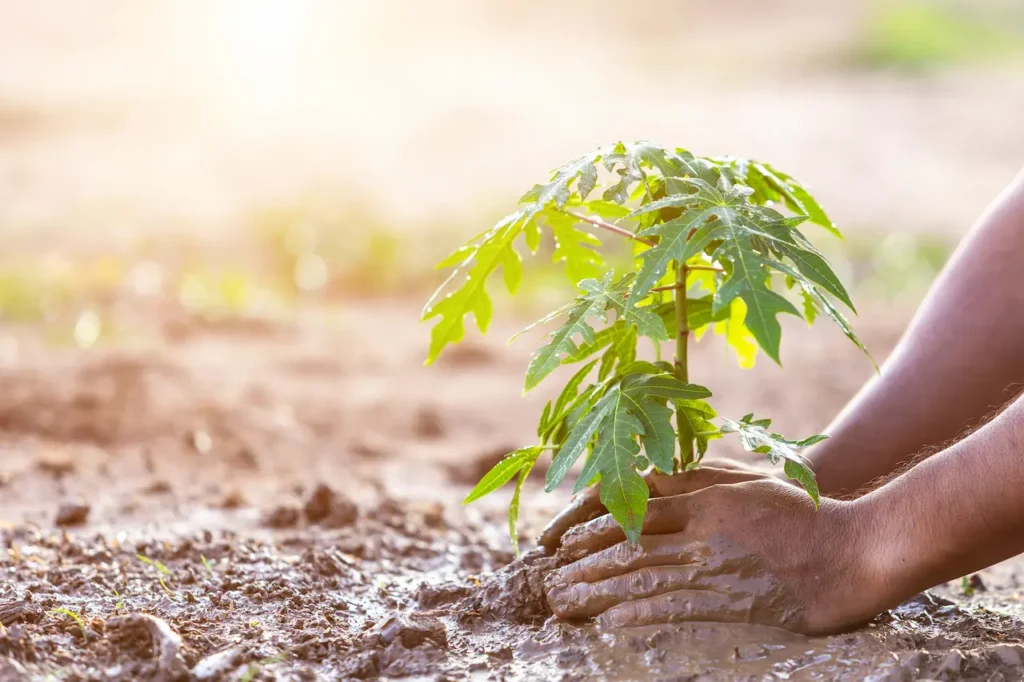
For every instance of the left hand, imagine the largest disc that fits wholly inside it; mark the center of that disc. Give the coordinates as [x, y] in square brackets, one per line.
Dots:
[753, 551]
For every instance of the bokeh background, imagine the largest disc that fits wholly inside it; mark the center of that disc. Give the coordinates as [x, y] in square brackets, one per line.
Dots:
[234, 153]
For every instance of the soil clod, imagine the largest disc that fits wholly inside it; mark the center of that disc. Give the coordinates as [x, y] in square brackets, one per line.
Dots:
[330, 508]
[281, 516]
[72, 513]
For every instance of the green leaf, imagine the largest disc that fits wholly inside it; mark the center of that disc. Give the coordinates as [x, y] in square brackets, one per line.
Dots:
[755, 437]
[672, 246]
[624, 493]
[554, 314]
[810, 264]
[635, 409]
[573, 247]
[596, 300]
[749, 282]
[616, 440]
[513, 507]
[588, 180]
[592, 304]
[671, 201]
[557, 190]
[471, 296]
[810, 307]
[623, 490]
[666, 386]
[608, 210]
[578, 439]
[502, 472]
[833, 313]
[797, 197]
[602, 339]
[802, 474]
[659, 438]
[512, 269]
[697, 414]
[545, 415]
[567, 400]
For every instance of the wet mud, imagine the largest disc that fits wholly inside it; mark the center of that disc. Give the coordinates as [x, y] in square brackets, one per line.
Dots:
[216, 510]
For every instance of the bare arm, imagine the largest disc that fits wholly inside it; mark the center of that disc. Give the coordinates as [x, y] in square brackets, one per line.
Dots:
[956, 513]
[962, 357]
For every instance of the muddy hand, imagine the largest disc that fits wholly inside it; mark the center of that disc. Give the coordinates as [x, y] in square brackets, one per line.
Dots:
[586, 506]
[754, 551]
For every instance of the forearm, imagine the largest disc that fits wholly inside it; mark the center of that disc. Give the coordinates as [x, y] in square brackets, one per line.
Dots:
[960, 359]
[958, 512]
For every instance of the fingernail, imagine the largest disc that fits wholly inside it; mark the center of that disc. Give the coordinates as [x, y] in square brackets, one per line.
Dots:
[609, 620]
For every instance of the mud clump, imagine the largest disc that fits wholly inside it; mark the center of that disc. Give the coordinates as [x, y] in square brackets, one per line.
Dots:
[514, 593]
[411, 629]
[72, 513]
[401, 645]
[282, 516]
[330, 508]
[433, 596]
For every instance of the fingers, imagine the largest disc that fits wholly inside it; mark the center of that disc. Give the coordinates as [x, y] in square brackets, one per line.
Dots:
[679, 606]
[585, 600]
[663, 485]
[584, 507]
[587, 505]
[664, 515]
[652, 550]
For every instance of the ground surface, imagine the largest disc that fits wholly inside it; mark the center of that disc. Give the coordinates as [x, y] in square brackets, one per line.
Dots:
[201, 460]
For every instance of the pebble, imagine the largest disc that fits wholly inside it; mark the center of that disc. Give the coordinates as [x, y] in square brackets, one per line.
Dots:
[72, 514]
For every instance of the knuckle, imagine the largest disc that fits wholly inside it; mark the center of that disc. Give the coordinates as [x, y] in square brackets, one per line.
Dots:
[642, 581]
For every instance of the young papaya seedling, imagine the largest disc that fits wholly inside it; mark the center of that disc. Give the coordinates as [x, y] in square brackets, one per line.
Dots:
[716, 245]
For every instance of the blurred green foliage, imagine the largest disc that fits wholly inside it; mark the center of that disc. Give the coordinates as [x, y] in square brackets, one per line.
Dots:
[292, 259]
[922, 35]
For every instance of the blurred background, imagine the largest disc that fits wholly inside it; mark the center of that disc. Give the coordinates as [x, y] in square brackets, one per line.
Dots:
[235, 154]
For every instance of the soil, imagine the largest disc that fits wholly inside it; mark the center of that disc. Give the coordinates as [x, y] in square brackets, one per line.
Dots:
[283, 503]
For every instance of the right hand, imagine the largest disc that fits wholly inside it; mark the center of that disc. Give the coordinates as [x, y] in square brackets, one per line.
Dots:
[587, 505]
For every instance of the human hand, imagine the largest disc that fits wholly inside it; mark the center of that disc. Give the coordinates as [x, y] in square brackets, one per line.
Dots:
[587, 505]
[745, 549]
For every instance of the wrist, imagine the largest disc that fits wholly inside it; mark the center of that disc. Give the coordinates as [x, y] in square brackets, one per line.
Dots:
[893, 558]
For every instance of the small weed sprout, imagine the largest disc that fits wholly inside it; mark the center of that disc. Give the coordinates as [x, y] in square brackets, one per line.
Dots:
[716, 245]
[161, 570]
[61, 611]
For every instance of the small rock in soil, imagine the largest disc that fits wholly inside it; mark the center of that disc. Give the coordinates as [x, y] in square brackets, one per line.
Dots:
[410, 629]
[330, 508]
[283, 516]
[72, 514]
[233, 499]
[157, 487]
[432, 596]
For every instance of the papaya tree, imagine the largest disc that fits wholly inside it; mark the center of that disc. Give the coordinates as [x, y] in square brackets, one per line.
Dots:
[715, 243]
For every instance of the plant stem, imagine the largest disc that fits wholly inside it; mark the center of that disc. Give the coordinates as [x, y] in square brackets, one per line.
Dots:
[608, 226]
[682, 369]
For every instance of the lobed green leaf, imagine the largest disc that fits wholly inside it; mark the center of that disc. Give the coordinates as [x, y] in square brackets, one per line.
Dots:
[502, 472]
